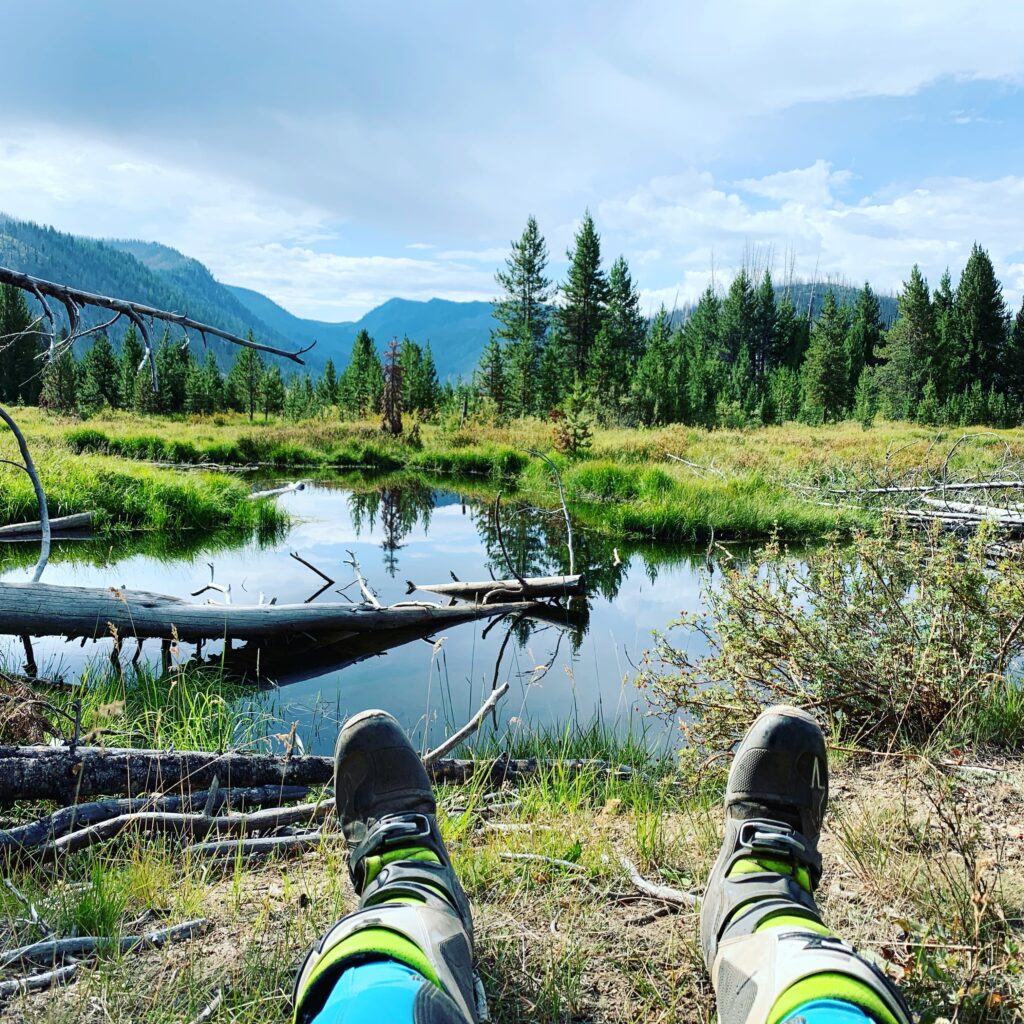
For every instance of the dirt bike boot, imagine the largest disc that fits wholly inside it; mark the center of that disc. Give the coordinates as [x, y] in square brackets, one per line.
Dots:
[764, 943]
[412, 909]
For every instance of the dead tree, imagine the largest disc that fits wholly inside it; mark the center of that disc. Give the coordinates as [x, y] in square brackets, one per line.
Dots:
[392, 398]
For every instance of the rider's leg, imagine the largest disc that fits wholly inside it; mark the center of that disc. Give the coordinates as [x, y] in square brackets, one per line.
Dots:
[770, 956]
[406, 954]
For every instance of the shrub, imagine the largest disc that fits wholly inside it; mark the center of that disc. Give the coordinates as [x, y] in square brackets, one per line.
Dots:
[898, 638]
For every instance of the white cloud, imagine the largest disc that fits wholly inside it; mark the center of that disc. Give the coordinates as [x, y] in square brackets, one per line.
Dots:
[878, 237]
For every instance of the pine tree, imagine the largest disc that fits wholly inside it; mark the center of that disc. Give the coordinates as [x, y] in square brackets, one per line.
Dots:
[864, 337]
[362, 384]
[129, 367]
[172, 365]
[908, 351]
[244, 378]
[1014, 372]
[60, 384]
[792, 334]
[620, 341]
[490, 375]
[272, 391]
[655, 392]
[826, 376]
[555, 374]
[979, 320]
[701, 344]
[944, 366]
[98, 378]
[764, 351]
[523, 311]
[327, 385]
[20, 377]
[739, 318]
[585, 296]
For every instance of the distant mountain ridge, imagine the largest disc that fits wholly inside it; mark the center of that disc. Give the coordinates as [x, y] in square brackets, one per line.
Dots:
[165, 278]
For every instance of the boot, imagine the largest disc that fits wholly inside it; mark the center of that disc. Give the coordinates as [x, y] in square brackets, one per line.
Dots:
[764, 942]
[411, 906]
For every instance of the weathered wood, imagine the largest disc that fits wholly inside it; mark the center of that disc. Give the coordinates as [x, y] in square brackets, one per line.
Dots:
[273, 492]
[79, 521]
[985, 511]
[55, 773]
[42, 609]
[66, 820]
[478, 590]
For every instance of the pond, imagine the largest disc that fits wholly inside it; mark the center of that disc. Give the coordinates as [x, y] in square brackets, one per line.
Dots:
[575, 667]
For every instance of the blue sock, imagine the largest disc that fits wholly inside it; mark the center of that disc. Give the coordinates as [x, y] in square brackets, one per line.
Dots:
[828, 1011]
[374, 993]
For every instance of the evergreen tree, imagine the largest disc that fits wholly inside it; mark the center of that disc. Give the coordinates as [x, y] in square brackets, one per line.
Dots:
[909, 350]
[60, 384]
[945, 363]
[129, 367]
[244, 379]
[765, 350]
[1014, 371]
[272, 391]
[792, 334]
[523, 312]
[98, 378]
[490, 375]
[864, 337]
[655, 388]
[362, 384]
[979, 320]
[555, 374]
[20, 377]
[172, 365]
[701, 344]
[585, 296]
[739, 318]
[826, 376]
[391, 397]
[620, 341]
[327, 385]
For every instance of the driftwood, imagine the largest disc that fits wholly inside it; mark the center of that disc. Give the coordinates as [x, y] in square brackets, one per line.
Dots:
[479, 590]
[246, 850]
[39, 609]
[29, 467]
[468, 729]
[79, 521]
[273, 492]
[58, 773]
[656, 890]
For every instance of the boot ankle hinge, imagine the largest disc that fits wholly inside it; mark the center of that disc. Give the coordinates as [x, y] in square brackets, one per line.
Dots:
[389, 833]
[767, 837]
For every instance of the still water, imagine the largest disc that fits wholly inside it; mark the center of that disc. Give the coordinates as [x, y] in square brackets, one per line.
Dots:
[574, 668]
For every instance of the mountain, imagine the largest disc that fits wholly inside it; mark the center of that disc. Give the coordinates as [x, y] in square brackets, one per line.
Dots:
[160, 276]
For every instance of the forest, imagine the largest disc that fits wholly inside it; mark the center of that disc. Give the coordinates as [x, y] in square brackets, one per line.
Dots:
[753, 354]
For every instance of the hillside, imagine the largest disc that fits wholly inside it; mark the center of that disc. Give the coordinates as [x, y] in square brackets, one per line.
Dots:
[163, 277]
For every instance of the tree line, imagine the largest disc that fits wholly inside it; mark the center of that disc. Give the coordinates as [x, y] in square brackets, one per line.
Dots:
[750, 356]
[745, 357]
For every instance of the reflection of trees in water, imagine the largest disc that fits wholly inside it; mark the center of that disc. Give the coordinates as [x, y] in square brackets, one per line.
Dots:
[399, 508]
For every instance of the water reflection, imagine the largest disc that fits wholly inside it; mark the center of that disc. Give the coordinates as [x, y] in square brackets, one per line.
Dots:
[573, 662]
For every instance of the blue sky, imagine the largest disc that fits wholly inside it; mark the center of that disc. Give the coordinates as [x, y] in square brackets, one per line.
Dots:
[333, 155]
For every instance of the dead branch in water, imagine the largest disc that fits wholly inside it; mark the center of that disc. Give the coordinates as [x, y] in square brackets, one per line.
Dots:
[468, 729]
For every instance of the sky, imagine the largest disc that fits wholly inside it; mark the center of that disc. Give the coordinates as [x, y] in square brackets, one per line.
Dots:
[333, 155]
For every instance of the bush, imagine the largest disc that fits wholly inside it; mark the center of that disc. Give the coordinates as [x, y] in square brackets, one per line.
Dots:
[898, 638]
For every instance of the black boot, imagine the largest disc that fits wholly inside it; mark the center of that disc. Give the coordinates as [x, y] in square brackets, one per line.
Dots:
[387, 812]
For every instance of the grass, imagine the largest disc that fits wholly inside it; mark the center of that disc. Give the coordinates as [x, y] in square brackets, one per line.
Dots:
[914, 874]
[736, 484]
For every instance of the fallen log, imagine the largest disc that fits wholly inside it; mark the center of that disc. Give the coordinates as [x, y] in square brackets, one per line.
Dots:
[529, 589]
[44, 609]
[273, 492]
[79, 521]
[58, 773]
[985, 511]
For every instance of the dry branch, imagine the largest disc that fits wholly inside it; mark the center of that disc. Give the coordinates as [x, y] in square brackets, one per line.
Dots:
[255, 849]
[78, 521]
[655, 889]
[44, 513]
[273, 492]
[468, 729]
[533, 587]
[37, 982]
[52, 950]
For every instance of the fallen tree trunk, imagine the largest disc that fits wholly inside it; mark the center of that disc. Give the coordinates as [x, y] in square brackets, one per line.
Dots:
[79, 521]
[530, 588]
[44, 609]
[985, 511]
[62, 774]
[273, 492]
